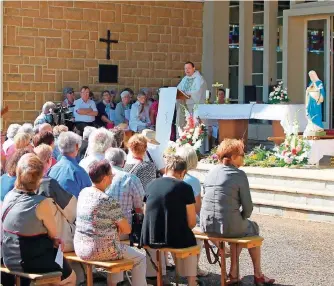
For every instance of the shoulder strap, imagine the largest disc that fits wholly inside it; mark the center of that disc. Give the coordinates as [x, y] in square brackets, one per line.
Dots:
[149, 156]
[5, 213]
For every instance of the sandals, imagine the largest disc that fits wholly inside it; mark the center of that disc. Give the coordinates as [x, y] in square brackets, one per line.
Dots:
[263, 280]
[232, 280]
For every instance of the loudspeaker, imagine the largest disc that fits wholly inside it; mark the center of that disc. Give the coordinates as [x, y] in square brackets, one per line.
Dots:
[108, 73]
[250, 93]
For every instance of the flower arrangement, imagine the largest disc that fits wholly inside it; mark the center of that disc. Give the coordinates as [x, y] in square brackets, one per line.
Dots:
[191, 135]
[279, 94]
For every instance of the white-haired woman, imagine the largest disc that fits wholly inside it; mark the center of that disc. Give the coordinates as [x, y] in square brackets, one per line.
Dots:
[11, 132]
[88, 130]
[99, 141]
[122, 111]
[27, 128]
[46, 115]
[70, 176]
[140, 114]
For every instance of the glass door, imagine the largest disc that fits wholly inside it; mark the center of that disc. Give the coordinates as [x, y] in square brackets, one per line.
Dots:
[318, 59]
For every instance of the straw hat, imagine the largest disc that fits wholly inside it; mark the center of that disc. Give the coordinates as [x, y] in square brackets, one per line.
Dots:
[150, 136]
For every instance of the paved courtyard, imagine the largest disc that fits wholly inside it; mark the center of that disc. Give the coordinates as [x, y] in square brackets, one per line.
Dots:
[294, 252]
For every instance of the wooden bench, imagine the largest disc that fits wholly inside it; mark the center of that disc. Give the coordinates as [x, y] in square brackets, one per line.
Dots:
[111, 267]
[242, 242]
[36, 279]
[180, 253]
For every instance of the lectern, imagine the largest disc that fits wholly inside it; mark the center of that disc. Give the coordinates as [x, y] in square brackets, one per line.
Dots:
[180, 95]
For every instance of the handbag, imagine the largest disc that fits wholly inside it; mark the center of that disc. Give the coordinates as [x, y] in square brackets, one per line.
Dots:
[136, 227]
[157, 172]
[208, 249]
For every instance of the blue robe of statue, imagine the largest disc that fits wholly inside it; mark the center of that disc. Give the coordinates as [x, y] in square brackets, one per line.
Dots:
[314, 111]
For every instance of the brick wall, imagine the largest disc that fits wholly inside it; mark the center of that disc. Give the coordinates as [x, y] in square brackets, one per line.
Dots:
[49, 45]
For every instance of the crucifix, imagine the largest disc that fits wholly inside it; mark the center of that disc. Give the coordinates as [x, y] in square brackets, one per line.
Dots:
[108, 41]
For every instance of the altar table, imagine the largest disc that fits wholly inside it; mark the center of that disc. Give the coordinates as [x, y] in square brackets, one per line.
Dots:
[233, 118]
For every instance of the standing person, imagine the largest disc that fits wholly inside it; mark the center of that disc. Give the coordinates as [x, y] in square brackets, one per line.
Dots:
[70, 176]
[84, 111]
[30, 238]
[194, 85]
[68, 93]
[170, 216]
[145, 171]
[99, 223]
[122, 112]
[106, 110]
[140, 114]
[227, 205]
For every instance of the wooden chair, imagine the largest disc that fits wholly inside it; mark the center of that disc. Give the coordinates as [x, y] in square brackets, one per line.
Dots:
[180, 253]
[111, 267]
[36, 279]
[242, 242]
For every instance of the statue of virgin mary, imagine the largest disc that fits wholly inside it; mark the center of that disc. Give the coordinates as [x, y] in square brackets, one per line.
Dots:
[315, 95]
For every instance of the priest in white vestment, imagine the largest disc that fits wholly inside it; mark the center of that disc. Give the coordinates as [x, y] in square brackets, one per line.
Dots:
[194, 85]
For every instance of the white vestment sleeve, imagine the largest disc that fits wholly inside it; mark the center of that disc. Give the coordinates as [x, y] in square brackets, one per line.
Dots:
[199, 90]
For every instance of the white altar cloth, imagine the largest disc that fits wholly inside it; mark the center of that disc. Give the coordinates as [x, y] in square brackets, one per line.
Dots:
[320, 148]
[285, 113]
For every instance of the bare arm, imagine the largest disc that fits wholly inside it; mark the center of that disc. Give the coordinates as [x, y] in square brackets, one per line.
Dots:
[191, 216]
[45, 212]
[198, 203]
[123, 226]
[87, 111]
[105, 119]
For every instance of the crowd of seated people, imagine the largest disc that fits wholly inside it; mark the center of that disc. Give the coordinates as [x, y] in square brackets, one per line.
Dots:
[78, 190]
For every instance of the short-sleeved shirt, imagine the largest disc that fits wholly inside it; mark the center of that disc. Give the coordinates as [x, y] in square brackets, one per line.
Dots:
[145, 171]
[127, 190]
[194, 183]
[96, 235]
[79, 103]
[70, 176]
[165, 222]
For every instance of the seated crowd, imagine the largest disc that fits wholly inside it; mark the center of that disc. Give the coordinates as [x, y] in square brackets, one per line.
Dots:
[78, 191]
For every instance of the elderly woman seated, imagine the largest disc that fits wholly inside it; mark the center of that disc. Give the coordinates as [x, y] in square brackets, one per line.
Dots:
[27, 128]
[170, 216]
[125, 188]
[66, 203]
[145, 171]
[99, 141]
[226, 191]
[122, 111]
[140, 114]
[67, 171]
[11, 132]
[21, 141]
[30, 238]
[99, 223]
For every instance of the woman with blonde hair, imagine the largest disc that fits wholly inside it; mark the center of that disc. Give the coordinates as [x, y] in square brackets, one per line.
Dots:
[145, 171]
[227, 205]
[30, 238]
[21, 141]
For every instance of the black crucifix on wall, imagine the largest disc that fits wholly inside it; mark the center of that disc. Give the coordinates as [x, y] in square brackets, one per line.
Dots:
[108, 41]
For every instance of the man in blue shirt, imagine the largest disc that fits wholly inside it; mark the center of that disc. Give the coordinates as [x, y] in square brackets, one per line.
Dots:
[70, 176]
[84, 111]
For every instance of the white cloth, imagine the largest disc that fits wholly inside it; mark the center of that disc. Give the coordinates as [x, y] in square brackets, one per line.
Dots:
[285, 113]
[156, 153]
[195, 86]
[79, 103]
[320, 148]
[85, 162]
[138, 122]
[9, 142]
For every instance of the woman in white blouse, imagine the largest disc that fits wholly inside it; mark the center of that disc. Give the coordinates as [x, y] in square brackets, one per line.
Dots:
[139, 115]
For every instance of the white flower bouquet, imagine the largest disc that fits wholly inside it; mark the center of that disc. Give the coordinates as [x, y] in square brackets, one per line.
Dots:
[279, 94]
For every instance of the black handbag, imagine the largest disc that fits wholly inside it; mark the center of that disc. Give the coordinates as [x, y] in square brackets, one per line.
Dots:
[136, 227]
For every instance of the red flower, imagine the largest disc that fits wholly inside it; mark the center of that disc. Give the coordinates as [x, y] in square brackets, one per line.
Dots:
[284, 152]
[293, 151]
